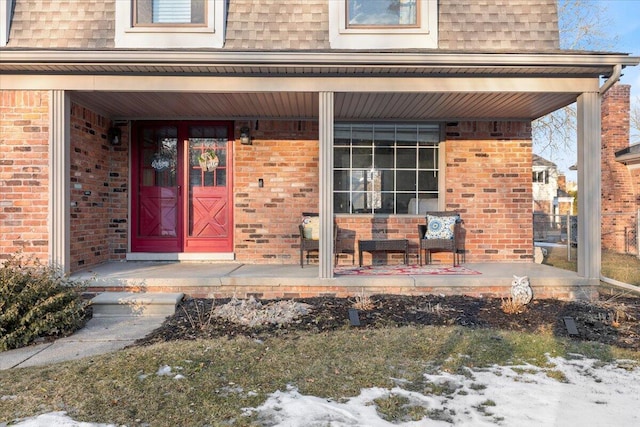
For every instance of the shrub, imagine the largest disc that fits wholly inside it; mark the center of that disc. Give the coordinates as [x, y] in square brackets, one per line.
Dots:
[36, 301]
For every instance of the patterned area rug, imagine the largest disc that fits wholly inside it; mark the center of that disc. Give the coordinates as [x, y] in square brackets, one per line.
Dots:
[409, 270]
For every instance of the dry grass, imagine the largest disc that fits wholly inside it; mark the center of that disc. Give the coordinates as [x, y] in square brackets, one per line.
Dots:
[510, 306]
[622, 267]
[223, 376]
[363, 302]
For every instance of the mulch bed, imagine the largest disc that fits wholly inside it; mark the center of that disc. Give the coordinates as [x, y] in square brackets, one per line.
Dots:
[612, 320]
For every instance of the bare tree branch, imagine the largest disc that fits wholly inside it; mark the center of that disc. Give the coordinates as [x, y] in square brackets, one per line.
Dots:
[583, 25]
[634, 121]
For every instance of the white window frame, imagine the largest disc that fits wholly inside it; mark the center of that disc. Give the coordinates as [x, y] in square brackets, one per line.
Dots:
[5, 21]
[168, 36]
[424, 36]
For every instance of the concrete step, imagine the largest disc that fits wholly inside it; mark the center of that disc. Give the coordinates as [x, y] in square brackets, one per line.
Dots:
[112, 304]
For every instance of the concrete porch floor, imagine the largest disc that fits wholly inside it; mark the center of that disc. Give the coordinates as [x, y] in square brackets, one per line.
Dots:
[215, 279]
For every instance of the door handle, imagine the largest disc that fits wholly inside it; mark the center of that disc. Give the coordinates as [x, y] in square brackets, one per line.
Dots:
[179, 190]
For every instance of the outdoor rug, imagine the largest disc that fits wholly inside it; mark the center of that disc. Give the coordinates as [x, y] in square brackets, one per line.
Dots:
[407, 270]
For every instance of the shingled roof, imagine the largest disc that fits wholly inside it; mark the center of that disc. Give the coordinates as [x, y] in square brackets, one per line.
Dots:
[464, 25]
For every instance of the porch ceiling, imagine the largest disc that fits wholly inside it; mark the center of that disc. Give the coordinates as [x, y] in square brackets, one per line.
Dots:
[304, 105]
[422, 85]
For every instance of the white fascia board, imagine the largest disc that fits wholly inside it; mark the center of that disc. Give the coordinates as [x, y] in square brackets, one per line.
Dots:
[231, 84]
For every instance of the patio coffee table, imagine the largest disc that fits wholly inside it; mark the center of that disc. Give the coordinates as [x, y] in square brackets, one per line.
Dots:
[394, 245]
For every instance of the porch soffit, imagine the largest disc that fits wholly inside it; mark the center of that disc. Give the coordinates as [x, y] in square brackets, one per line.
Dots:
[284, 85]
[304, 105]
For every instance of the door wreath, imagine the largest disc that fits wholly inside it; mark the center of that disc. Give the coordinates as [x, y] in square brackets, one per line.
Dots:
[208, 160]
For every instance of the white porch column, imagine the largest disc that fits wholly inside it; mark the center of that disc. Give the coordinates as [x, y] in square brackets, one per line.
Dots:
[59, 180]
[589, 183]
[325, 131]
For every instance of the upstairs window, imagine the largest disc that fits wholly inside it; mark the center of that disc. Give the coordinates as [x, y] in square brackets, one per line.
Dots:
[172, 12]
[382, 13]
[167, 24]
[383, 24]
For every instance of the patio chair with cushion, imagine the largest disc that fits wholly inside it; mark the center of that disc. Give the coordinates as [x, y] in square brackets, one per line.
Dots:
[309, 235]
[441, 233]
[310, 238]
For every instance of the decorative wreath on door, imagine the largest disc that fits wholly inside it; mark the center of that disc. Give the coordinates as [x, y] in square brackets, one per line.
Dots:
[208, 161]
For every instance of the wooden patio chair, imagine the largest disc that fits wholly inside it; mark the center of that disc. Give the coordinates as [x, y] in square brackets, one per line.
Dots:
[442, 233]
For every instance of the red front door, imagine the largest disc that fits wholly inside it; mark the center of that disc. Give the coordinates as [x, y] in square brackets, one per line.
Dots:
[181, 192]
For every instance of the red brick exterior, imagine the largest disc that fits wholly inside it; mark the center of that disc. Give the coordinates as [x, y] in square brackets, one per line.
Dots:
[99, 190]
[488, 180]
[24, 173]
[620, 185]
[284, 154]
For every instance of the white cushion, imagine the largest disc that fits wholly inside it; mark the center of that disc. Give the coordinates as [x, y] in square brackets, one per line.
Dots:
[440, 227]
[311, 227]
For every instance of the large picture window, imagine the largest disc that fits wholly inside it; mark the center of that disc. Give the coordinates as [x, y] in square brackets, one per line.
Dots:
[385, 168]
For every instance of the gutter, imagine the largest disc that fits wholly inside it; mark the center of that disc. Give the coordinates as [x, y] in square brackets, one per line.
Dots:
[613, 78]
[424, 59]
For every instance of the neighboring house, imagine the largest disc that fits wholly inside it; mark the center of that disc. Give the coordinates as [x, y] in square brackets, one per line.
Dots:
[551, 202]
[367, 115]
[620, 174]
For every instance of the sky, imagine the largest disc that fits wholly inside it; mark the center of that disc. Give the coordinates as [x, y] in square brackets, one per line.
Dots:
[625, 16]
[591, 393]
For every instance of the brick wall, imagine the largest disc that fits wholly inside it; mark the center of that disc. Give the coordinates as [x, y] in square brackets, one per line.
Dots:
[488, 180]
[98, 191]
[284, 154]
[24, 173]
[619, 188]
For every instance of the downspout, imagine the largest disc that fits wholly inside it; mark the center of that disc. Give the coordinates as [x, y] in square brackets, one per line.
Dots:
[613, 78]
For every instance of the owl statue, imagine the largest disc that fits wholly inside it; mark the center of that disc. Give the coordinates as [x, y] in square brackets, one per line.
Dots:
[521, 290]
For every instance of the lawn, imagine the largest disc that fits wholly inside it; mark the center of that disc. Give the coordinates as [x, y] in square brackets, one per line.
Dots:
[621, 267]
[217, 378]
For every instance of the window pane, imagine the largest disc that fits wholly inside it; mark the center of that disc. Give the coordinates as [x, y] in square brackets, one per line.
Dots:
[427, 181]
[170, 11]
[367, 13]
[341, 158]
[387, 180]
[341, 180]
[406, 135]
[341, 203]
[383, 157]
[388, 203]
[362, 158]
[406, 180]
[385, 135]
[402, 203]
[406, 158]
[428, 158]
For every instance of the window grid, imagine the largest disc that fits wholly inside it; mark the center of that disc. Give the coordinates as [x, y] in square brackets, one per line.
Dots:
[368, 181]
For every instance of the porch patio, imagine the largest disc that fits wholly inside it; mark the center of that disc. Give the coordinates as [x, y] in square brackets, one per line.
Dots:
[209, 279]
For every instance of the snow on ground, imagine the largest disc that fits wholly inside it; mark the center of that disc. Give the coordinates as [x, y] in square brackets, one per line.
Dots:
[588, 393]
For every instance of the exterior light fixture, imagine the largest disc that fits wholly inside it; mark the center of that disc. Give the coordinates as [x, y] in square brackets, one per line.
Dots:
[114, 136]
[245, 136]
